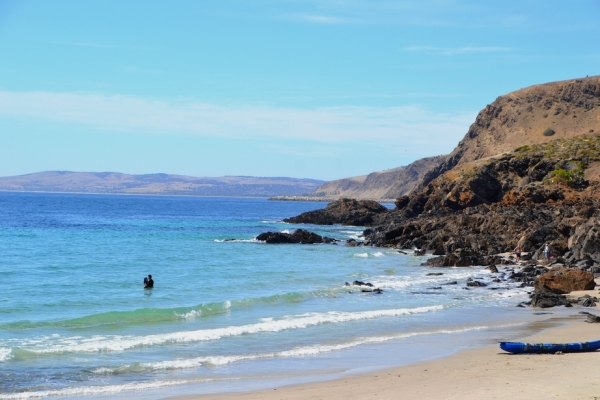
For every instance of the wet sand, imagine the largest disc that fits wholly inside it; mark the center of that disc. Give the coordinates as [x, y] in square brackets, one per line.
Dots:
[481, 373]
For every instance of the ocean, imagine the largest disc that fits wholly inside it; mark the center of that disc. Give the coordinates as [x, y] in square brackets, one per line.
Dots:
[226, 312]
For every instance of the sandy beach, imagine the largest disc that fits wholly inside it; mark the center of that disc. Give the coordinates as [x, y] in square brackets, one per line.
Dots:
[481, 373]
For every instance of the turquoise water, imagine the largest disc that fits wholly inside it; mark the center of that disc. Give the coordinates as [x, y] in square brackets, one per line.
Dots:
[75, 320]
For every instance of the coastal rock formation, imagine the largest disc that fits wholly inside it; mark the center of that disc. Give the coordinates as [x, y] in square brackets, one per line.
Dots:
[565, 280]
[299, 236]
[585, 241]
[343, 211]
[527, 172]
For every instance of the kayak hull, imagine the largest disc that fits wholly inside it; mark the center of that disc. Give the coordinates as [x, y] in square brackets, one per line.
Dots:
[541, 348]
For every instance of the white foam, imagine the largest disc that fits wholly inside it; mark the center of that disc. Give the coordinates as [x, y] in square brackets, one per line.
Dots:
[356, 235]
[5, 354]
[93, 390]
[303, 351]
[363, 255]
[115, 343]
[191, 315]
[253, 240]
[285, 231]
[378, 254]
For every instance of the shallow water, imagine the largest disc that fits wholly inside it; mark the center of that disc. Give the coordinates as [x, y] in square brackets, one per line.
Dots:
[75, 320]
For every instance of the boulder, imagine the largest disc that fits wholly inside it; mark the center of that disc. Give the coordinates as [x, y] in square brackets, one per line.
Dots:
[564, 280]
[547, 299]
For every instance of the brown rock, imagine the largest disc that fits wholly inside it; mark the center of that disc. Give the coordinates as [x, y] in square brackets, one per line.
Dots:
[565, 280]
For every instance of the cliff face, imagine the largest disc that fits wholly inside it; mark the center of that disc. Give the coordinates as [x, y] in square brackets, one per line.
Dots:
[380, 185]
[527, 172]
[526, 117]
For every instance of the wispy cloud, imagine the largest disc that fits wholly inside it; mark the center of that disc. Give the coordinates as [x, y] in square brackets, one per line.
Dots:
[405, 125]
[451, 51]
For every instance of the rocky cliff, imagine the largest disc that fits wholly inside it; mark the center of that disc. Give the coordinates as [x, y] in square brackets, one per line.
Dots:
[533, 115]
[526, 173]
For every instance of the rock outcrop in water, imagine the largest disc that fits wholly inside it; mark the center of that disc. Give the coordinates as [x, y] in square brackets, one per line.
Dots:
[299, 236]
[343, 211]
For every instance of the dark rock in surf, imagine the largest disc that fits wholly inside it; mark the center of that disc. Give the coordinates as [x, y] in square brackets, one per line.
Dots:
[353, 243]
[361, 283]
[493, 269]
[476, 284]
[300, 236]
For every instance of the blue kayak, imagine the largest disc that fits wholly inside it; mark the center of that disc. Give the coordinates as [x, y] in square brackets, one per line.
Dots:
[541, 348]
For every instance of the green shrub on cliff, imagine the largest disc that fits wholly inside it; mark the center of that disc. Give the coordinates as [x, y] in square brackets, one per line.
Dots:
[565, 177]
[581, 147]
[571, 175]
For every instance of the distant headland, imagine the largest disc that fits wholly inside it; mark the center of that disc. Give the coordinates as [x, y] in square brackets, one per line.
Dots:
[157, 184]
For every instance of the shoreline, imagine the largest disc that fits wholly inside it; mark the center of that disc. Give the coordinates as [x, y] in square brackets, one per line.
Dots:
[326, 199]
[472, 373]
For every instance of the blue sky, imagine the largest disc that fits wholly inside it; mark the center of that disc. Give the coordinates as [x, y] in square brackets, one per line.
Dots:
[319, 89]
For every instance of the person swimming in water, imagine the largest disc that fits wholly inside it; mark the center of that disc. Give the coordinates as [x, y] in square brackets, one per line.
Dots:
[148, 282]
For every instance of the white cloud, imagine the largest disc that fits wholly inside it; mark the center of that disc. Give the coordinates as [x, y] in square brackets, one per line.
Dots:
[397, 126]
[450, 51]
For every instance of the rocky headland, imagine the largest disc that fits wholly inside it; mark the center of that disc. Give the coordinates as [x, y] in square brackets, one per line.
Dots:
[526, 173]
[381, 185]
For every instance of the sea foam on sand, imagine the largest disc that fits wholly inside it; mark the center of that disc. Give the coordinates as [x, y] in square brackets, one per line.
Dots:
[474, 374]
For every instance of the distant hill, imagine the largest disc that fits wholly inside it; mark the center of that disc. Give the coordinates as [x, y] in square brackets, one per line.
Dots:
[157, 184]
[380, 185]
